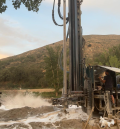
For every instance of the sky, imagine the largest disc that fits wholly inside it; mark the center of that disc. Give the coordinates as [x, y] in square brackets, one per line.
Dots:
[22, 30]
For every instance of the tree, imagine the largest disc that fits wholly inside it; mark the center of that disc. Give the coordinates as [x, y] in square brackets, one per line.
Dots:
[31, 5]
[18, 75]
[110, 58]
[113, 60]
[54, 75]
[34, 77]
[5, 75]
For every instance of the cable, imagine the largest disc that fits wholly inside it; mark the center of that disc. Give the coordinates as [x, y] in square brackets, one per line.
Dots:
[61, 54]
[98, 108]
[59, 3]
[53, 17]
[67, 20]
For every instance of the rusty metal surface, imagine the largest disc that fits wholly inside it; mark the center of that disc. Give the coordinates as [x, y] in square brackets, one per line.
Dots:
[117, 70]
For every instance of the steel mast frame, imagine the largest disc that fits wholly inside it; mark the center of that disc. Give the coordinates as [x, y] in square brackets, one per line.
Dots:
[75, 46]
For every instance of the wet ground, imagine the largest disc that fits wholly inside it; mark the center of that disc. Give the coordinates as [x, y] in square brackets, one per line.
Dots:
[29, 112]
[46, 117]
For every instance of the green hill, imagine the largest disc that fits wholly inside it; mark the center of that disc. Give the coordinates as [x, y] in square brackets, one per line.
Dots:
[32, 62]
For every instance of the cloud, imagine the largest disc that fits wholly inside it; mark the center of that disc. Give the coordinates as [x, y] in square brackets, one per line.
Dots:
[108, 6]
[49, 1]
[14, 33]
[16, 39]
[4, 55]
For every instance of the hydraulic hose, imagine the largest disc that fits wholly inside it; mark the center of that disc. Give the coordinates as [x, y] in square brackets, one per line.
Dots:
[53, 17]
[61, 54]
[59, 12]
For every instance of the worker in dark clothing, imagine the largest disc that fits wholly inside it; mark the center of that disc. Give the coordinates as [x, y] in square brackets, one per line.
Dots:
[108, 84]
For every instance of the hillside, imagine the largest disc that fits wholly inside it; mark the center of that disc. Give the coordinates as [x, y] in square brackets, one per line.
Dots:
[32, 62]
[94, 44]
[33, 58]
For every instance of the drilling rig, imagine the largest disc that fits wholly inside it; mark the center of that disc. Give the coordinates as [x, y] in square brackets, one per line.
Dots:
[82, 89]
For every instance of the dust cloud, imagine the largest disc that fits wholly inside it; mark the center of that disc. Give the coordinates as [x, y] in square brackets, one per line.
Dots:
[21, 100]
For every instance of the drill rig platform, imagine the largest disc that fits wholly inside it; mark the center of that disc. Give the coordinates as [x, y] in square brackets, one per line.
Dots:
[91, 96]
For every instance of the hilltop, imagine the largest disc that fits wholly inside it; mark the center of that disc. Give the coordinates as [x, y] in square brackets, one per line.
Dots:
[96, 44]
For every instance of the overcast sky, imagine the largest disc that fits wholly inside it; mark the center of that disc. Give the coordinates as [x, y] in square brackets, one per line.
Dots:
[21, 30]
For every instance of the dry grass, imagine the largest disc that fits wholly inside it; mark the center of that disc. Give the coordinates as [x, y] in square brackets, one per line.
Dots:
[29, 90]
[99, 43]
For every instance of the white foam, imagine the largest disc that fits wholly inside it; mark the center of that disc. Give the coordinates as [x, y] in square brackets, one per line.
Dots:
[73, 106]
[2, 107]
[52, 117]
[20, 100]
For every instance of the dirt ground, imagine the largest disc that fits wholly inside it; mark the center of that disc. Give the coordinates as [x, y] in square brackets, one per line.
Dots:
[9, 117]
[18, 119]
[29, 90]
[23, 113]
[67, 124]
[29, 112]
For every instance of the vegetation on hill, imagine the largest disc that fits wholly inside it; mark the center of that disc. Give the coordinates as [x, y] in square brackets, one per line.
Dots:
[26, 72]
[96, 44]
[53, 74]
[110, 58]
[20, 76]
[33, 69]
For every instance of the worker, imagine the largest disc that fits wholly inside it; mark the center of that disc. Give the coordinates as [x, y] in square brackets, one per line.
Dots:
[108, 84]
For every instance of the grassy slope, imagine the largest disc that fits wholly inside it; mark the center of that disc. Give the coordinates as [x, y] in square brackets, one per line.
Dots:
[34, 58]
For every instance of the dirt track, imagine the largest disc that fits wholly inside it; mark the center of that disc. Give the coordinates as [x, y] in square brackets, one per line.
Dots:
[30, 90]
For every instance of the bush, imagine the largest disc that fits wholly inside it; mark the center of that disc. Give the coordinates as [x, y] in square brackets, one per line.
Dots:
[110, 58]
